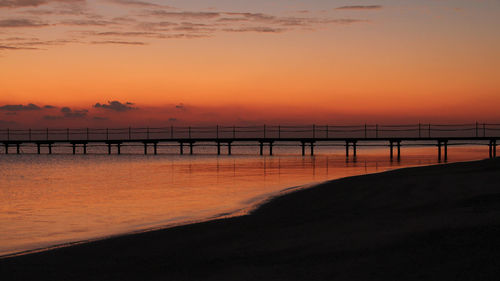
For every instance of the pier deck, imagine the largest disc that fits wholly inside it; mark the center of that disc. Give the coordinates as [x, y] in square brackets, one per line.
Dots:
[305, 137]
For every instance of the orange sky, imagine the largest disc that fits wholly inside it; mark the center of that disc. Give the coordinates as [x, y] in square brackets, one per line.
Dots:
[305, 61]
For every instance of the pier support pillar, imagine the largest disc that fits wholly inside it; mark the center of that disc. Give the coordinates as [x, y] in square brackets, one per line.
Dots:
[445, 150]
[261, 144]
[145, 148]
[6, 148]
[218, 148]
[271, 148]
[495, 149]
[303, 148]
[391, 148]
[38, 148]
[399, 150]
[439, 151]
[490, 147]
[312, 148]
[84, 148]
[181, 146]
[229, 148]
[347, 149]
[50, 148]
[109, 148]
[18, 150]
[191, 148]
[74, 148]
[155, 148]
[119, 147]
[354, 149]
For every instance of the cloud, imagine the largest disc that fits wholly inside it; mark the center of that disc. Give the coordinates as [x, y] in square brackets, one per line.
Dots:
[52, 117]
[343, 21]
[231, 20]
[37, 42]
[17, 43]
[119, 42]
[4, 123]
[254, 16]
[261, 29]
[184, 15]
[70, 113]
[142, 34]
[21, 3]
[272, 21]
[181, 106]
[6, 47]
[87, 22]
[116, 106]
[157, 26]
[138, 4]
[360, 7]
[125, 33]
[9, 23]
[31, 3]
[99, 118]
[74, 9]
[20, 107]
[67, 113]
[183, 36]
[134, 29]
[194, 27]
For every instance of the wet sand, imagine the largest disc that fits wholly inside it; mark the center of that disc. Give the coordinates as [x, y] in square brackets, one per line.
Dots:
[427, 223]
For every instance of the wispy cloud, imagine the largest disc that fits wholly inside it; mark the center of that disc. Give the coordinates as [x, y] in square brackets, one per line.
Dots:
[135, 3]
[72, 113]
[119, 42]
[194, 27]
[254, 16]
[184, 15]
[4, 123]
[87, 22]
[360, 7]
[19, 43]
[30, 3]
[124, 33]
[261, 29]
[13, 48]
[14, 23]
[116, 106]
[20, 107]
[145, 20]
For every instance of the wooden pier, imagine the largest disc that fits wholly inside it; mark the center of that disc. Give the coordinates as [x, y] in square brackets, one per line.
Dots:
[305, 137]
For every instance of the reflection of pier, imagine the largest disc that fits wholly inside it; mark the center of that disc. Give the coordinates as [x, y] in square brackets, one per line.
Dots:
[306, 137]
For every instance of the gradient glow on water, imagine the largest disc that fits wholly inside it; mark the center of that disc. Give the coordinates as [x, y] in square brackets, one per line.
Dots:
[47, 200]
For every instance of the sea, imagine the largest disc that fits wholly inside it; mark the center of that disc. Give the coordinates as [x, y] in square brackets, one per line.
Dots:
[60, 199]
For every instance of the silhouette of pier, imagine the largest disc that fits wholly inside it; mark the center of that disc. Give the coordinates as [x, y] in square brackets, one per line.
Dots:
[265, 136]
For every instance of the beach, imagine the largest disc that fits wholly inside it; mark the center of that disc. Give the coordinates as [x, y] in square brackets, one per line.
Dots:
[439, 222]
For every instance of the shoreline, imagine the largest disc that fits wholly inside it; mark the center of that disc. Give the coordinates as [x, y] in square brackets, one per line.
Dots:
[365, 219]
[256, 203]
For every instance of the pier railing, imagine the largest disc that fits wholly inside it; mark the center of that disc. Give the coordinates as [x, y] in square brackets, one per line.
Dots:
[371, 131]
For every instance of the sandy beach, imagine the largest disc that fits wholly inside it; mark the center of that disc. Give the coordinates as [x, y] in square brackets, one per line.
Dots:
[427, 223]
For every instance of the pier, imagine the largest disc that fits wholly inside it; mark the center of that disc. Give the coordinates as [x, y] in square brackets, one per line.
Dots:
[306, 138]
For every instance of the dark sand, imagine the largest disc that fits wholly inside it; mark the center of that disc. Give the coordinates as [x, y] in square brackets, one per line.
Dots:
[427, 223]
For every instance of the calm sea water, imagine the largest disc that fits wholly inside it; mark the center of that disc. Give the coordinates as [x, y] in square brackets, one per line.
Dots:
[47, 200]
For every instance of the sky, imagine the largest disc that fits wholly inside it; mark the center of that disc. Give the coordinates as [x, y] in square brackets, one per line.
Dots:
[101, 63]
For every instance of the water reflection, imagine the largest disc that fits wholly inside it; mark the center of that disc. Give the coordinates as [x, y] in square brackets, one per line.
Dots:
[51, 199]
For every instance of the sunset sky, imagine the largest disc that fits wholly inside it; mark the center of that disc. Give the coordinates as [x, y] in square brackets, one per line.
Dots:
[133, 62]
